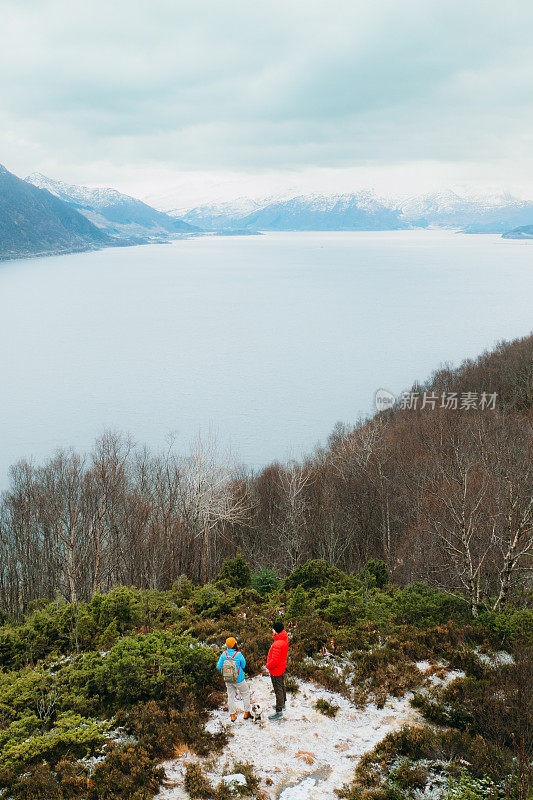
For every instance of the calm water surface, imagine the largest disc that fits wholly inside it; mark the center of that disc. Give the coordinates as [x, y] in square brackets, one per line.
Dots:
[267, 340]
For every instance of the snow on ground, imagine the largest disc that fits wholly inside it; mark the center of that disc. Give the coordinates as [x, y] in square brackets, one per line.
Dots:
[438, 675]
[305, 756]
[495, 659]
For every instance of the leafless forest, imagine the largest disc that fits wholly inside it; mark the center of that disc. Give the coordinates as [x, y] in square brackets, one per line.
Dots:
[444, 496]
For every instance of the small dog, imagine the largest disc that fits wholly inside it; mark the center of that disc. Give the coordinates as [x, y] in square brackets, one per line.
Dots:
[257, 713]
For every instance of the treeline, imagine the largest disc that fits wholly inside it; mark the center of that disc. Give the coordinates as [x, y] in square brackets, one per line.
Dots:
[439, 494]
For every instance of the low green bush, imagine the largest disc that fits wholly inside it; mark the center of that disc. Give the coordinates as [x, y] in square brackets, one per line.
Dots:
[211, 602]
[422, 606]
[377, 570]
[409, 776]
[468, 788]
[508, 628]
[157, 666]
[291, 685]
[299, 605]
[265, 581]
[126, 774]
[63, 628]
[314, 574]
[235, 572]
[196, 784]
[326, 708]
[25, 741]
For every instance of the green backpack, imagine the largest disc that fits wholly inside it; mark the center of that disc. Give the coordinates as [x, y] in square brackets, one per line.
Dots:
[230, 670]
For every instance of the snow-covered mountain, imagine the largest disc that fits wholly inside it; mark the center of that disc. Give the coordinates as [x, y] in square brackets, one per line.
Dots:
[34, 222]
[128, 218]
[116, 213]
[362, 211]
[365, 211]
[473, 214]
[219, 216]
[358, 211]
[524, 232]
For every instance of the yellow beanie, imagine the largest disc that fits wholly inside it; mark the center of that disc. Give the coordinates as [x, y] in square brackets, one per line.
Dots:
[230, 643]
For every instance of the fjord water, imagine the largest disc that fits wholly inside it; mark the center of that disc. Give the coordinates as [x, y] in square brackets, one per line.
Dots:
[266, 340]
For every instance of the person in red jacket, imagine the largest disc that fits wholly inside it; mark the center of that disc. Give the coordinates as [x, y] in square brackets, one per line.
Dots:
[276, 665]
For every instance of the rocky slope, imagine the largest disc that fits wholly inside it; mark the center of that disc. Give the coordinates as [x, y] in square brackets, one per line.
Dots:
[116, 213]
[35, 222]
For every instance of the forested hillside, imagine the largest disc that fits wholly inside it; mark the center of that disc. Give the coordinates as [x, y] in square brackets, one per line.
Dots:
[440, 494]
[399, 557]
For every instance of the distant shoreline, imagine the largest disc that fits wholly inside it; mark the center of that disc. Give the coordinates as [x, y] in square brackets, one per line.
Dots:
[235, 233]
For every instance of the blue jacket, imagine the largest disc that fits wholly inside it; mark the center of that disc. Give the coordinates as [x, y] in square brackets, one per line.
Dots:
[239, 660]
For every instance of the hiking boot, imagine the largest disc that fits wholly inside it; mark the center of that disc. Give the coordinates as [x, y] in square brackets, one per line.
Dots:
[233, 717]
[247, 715]
[276, 716]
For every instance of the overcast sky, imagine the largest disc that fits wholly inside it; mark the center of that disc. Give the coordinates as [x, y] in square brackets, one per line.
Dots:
[206, 99]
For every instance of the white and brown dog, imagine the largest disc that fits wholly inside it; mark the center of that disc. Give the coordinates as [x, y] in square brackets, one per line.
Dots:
[256, 710]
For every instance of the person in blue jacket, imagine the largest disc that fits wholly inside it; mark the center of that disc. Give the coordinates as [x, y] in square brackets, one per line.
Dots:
[231, 664]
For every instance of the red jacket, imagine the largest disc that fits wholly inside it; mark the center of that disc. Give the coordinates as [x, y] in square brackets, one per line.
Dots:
[277, 655]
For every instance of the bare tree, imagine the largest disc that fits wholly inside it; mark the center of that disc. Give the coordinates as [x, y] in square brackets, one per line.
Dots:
[61, 485]
[457, 507]
[102, 483]
[207, 499]
[293, 481]
[510, 459]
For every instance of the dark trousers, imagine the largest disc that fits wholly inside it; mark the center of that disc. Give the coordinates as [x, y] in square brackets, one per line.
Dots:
[278, 682]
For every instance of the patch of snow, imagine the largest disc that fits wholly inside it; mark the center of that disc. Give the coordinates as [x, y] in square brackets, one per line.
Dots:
[237, 779]
[500, 658]
[119, 736]
[304, 755]
[442, 674]
[99, 197]
[340, 665]
[302, 791]
[91, 762]
[57, 663]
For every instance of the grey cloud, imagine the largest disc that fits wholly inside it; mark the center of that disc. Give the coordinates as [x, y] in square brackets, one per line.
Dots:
[241, 85]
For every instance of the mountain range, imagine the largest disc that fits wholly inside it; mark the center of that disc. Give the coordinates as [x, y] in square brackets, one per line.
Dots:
[41, 215]
[365, 211]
